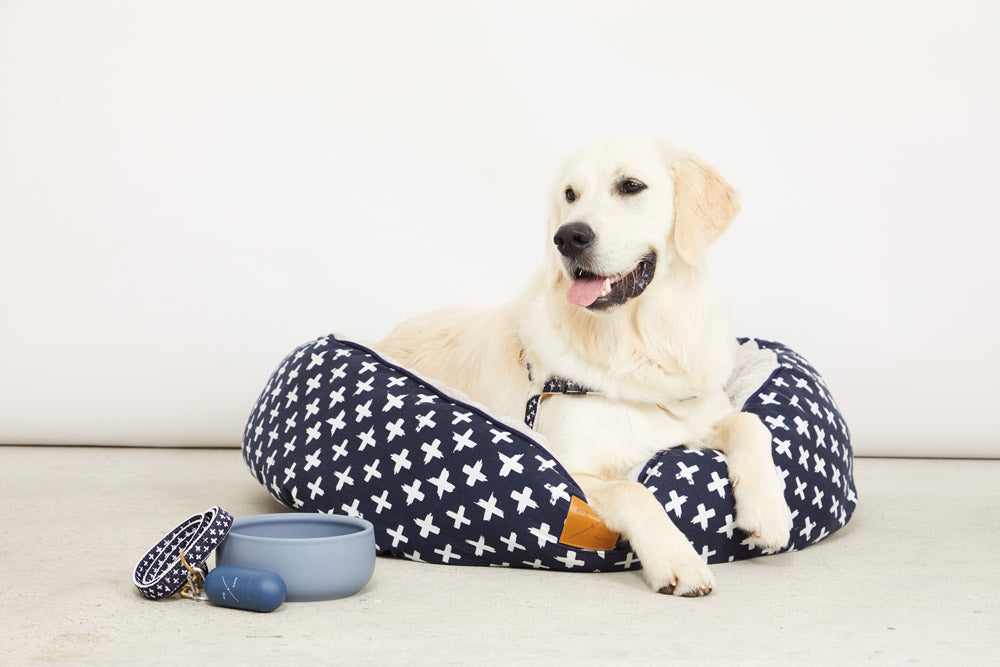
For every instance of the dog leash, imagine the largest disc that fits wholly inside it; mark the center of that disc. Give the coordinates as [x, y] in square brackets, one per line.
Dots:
[177, 562]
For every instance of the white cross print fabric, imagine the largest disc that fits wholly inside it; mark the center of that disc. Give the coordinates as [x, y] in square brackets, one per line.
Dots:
[338, 429]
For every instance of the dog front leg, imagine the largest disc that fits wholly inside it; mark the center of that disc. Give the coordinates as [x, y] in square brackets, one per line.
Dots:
[761, 510]
[669, 562]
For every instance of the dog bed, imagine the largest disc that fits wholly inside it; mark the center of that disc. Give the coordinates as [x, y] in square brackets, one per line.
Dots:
[339, 429]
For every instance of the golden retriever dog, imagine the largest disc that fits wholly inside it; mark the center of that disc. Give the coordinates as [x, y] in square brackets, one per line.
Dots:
[622, 306]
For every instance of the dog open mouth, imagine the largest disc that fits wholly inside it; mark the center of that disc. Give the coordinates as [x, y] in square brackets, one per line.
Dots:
[598, 292]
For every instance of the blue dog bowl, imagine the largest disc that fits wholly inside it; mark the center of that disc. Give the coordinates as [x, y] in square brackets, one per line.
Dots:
[319, 556]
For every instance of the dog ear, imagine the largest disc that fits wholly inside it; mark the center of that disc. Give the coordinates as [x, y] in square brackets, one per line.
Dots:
[704, 205]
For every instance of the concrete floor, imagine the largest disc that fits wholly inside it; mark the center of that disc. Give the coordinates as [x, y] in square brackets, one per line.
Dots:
[913, 577]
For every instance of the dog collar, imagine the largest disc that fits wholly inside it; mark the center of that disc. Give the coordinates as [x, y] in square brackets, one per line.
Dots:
[559, 385]
[554, 385]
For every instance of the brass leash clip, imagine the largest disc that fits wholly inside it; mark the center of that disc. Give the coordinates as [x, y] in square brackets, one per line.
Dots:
[194, 588]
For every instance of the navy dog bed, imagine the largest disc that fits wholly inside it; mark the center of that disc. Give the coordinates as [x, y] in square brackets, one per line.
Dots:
[339, 429]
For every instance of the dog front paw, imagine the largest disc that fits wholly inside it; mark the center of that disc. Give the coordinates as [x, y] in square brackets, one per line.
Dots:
[761, 512]
[769, 540]
[685, 576]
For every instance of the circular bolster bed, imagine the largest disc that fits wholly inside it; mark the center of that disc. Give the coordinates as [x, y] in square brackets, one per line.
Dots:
[339, 429]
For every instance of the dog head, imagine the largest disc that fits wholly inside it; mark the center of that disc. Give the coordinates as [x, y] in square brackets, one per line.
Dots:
[625, 211]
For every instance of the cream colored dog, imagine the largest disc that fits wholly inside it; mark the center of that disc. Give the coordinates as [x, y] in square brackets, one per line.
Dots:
[623, 307]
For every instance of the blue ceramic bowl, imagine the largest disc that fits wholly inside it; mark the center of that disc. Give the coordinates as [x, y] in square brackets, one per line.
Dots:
[320, 556]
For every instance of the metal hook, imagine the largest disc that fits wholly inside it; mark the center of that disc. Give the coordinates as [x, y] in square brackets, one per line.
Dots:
[193, 589]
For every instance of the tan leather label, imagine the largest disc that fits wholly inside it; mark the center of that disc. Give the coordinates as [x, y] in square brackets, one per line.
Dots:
[584, 530]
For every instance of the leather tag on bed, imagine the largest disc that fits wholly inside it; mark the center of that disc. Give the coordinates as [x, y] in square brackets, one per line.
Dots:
[584, 530]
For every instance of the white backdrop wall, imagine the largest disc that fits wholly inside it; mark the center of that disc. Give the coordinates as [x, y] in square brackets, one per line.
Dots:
[190, 189]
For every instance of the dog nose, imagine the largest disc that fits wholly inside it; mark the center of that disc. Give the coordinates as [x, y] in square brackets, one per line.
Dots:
[573, 238]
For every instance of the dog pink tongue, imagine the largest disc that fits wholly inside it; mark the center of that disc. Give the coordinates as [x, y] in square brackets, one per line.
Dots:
[585, 291]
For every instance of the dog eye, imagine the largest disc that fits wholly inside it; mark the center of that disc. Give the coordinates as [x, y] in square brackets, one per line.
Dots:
[630, 186]
[570, 195]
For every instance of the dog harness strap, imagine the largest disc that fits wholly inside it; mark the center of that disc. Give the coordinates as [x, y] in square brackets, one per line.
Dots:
[554, 385]
[161, 572]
